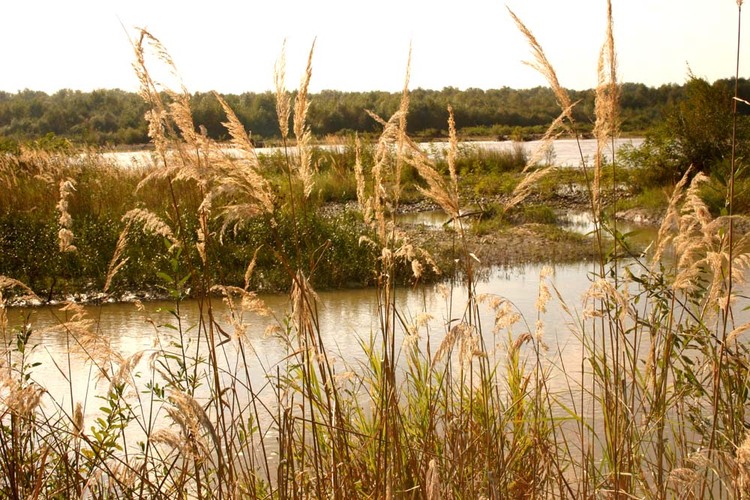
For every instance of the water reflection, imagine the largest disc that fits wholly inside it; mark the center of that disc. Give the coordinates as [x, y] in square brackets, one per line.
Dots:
[565, 152]
[347, 319]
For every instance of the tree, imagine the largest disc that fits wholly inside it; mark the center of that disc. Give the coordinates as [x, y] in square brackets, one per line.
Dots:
[696, 131]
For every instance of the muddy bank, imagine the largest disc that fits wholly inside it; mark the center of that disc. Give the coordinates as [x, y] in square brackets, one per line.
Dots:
[510, 244]
[514, 245]
[507, 243]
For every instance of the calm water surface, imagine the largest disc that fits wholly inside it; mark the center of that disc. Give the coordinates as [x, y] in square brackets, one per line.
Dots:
[566, 152]
[347, 317]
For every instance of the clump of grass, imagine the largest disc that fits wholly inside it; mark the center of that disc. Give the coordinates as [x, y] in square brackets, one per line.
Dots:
[653, 199]
[473, 160]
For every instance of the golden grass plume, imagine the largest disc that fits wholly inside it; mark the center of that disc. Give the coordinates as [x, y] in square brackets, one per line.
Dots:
[283, 107]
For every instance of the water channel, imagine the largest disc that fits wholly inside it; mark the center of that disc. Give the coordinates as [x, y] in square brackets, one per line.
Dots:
[347, 318]
[565, 152]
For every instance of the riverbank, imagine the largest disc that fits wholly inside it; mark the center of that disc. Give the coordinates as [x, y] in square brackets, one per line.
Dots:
[97, 201]
[539, 231]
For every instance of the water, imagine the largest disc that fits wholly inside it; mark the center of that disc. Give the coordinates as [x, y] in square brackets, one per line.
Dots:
[433, 219]
[347, 318]
[566, 152]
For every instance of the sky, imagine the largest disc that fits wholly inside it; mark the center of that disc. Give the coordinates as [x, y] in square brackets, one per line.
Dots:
[231, 45]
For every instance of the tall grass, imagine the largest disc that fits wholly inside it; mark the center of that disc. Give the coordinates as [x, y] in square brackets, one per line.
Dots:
[654, 409]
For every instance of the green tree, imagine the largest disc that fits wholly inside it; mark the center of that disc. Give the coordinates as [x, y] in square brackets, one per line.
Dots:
[696, 131]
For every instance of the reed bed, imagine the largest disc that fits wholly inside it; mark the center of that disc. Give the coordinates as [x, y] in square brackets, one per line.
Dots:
[656, 407]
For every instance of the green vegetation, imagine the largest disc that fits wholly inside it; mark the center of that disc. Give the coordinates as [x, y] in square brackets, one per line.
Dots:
[104, 193]
[653, 406]
[115, 117]
[700, 132]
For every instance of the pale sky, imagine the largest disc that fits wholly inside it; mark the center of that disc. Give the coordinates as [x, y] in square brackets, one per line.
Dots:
[231, 45]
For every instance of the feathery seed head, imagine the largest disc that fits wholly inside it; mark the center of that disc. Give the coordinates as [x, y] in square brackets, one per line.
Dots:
[20, 399]
[283, 107]
[78, 420]
[416, 269]
[682, 478]
[302, 131]
[169, 438]
[240, 137]
[670, 221]
[65, 221]
[433, 481]
[520, 340]
[251, 268]
[152, 224]
[743, 466]
[125, 371]
[402, 112]
[544, 294]
[543, 66]
[117, 262]
[301, 103]
[362, 199]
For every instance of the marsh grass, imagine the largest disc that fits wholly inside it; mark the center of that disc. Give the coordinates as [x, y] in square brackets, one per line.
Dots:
[654, 408]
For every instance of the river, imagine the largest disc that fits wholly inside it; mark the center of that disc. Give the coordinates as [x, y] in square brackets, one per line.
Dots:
[565, 152]
[347, 318]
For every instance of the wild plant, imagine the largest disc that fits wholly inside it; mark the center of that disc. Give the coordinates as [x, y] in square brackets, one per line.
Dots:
[654, 342]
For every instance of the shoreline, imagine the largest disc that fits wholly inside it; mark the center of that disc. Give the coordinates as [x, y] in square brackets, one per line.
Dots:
[511, 245]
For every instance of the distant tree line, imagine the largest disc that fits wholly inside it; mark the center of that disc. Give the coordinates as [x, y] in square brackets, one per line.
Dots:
[116, 117]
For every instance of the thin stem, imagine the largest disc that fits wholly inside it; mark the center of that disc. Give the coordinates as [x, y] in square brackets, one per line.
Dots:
[726, 312]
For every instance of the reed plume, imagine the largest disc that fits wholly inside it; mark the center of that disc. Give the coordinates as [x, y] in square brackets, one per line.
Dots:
[364, 202]
[152, 224]
[743, 466]
[283, 107]
[65, 221]
[18, 398]
[117, 262]
[403, 110]
[302, 131]
[607, 106]
[157, 114]
[77, 420]
[565, 122]
[238, 180]
[543, 66]
[190, 417]
[441, 192]
[670, 221]
[249, 302]
[240, 137]
[7, 284]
